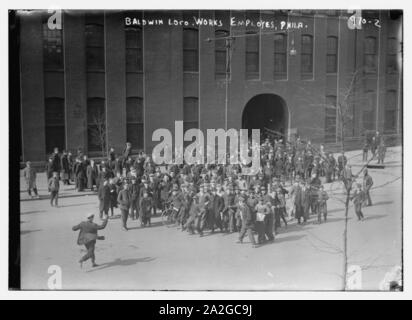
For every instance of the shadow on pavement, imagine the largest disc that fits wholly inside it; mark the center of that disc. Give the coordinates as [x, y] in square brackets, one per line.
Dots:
[120, 262]
[76, 205]
[382, 203]
[23, 232]
[31, 212]
[374, 217]
[283, 239]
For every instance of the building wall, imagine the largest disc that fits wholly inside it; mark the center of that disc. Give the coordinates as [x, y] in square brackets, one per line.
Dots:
[163, 85]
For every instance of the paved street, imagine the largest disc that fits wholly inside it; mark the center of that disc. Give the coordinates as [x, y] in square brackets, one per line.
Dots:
[301, 258]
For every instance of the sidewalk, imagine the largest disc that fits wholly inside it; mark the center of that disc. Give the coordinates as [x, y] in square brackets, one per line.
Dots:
[354, 157]
[42, 189]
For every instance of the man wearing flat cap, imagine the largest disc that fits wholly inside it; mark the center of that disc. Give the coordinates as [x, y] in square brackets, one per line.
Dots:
[88, 236]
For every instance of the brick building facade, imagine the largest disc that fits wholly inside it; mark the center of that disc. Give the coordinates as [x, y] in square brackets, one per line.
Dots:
[134, 78]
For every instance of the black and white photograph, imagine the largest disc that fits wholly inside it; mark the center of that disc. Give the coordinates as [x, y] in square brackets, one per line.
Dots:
[208, 149]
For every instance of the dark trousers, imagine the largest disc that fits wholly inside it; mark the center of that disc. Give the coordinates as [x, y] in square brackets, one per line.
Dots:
[368, 196]
[125, 215]
[134, 209]
[313, 205]
[80, 183]
[260, 229]
[201, 222]
[54, 196]
[269, 226]
[232, 220]
[280, 214]
[211, 221]
[358, 211]
[90, 251]
[247, 229]
[29, 191]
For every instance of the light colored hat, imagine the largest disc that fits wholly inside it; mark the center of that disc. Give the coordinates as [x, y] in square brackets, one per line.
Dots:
[89, 215]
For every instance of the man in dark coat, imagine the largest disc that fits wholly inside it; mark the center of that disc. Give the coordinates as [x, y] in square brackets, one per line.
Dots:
[297, 192]
[88, 236]
[80, 175]
[125, 200]
[218, 205]
[104, 198]
[65, 168]
[56, 166]
[135, 193]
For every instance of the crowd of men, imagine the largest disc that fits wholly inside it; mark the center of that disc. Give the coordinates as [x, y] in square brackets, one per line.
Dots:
[214, 197]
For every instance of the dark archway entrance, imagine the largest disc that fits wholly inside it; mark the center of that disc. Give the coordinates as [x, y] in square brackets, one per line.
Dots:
[267, 112]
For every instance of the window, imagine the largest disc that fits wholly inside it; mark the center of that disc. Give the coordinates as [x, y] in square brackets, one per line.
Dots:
[307, 57]
[96, 124]
[252, 55]
[390, 111]
[368, 113]
[134, 119]
[190, 50]
[392, 56]
[190, 113]
[369, 54]
[332, 55]
[94, 47]
[280, 45]
[134, 53]
[330, 119]
[222, 63]
[52, 48]
[54, 124]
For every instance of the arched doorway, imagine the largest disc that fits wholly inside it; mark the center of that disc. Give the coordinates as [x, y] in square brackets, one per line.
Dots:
[267, 112]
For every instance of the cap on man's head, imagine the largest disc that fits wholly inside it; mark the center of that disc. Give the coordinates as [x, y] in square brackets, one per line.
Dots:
[89, 215]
